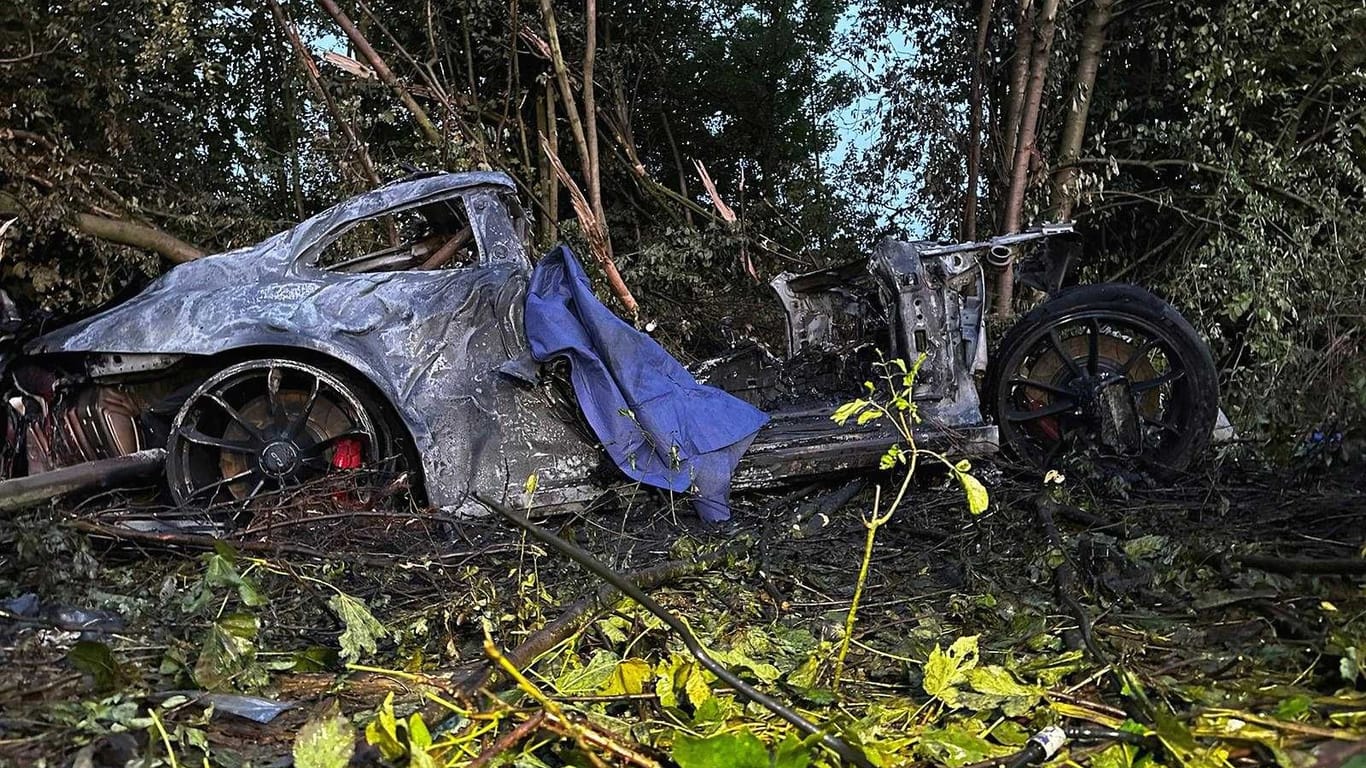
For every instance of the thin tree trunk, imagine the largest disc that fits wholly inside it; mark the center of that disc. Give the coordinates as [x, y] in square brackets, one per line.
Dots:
[1064, 192]
[553, 137]
[1019, 75]
[678, 163]
[545, 177]
[590, 107]
[386, 75]
[1024, 142]
[562, 78]
[975, 120]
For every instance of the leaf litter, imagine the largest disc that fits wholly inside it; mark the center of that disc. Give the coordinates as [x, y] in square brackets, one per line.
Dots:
[962, 649]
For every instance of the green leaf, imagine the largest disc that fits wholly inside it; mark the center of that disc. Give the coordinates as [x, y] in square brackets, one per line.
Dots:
[95, 659]
[227, 658]
[220, 570]
[976, 493]
[946, 670]
[957, 744]
[382, 732]
[586, 679]
[697, 685]
[362, 630]
[724, 750]
[792, 752]
[628, 678]
[848, 411]
[869, 415]
[419, 737]
[327, 740]
[890, 458]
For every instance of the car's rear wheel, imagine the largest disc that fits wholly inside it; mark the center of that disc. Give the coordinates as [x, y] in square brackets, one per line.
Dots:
[1108, 368]
[263, 426]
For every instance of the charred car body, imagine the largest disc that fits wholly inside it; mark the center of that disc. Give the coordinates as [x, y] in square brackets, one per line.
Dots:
[387, 332]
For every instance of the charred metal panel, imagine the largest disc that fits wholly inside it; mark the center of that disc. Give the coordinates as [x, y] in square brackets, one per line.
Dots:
[827, 308]
[433, 343]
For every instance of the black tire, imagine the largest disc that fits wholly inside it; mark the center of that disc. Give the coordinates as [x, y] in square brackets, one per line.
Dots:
[270, 424]
[1057, 383]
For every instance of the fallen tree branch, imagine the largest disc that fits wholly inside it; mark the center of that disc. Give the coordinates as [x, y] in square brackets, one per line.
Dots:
[839, 746]
[1332, 566]
[30, 491]
[207, 543]
[590, 606]
[137, 235]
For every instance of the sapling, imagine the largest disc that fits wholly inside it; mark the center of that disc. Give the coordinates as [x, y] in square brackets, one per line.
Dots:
[899, 409]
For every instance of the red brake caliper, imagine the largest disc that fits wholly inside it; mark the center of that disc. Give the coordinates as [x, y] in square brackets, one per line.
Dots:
[347, 454]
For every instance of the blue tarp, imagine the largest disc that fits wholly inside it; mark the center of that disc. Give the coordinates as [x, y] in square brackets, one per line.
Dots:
[657, 423]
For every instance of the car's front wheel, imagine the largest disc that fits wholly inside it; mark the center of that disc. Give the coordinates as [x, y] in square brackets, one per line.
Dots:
[269, 425]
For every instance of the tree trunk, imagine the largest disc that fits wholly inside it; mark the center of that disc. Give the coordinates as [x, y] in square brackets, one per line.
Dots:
[552, 32]
[975, 120]
[678, 163]
[1024, 142]
[385, 74]
[553, 136]
[1019, 75]
[1064, 192]
[590, 107]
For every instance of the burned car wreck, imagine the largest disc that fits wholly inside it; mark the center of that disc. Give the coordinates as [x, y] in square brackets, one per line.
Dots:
[389, 332]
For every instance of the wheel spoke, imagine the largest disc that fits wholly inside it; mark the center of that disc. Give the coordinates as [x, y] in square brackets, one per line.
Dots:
[273, 407]
[1053, 409]
[1056, 343]
[1044, 387]
[195, 436]
[257, 490]
[1093, 348]
[296, 427]
[252, 429]
[1153, 383]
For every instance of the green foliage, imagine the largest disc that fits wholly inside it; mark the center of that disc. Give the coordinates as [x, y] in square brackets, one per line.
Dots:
[327, 740]
[361, 630]
[739, 750]
[95, 659]
[227, 658]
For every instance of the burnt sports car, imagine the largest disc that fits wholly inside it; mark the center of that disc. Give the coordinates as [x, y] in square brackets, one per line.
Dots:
[388, 332]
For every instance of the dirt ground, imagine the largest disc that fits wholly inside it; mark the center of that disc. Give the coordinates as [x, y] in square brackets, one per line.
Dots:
[1219, 619]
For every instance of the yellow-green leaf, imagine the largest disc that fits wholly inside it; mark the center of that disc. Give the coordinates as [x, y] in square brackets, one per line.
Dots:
[976, 493]
[327, 740]
[382, 732]
[945, 670]
[363, 631]
[871, 414]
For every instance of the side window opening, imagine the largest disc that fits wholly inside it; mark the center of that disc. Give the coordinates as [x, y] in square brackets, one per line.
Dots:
[432, 236]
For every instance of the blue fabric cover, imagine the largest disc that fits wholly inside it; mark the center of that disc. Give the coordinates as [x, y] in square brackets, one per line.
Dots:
[657, 423]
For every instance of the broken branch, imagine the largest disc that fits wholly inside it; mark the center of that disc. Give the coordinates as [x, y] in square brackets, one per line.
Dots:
[593, 230]
[382, 70]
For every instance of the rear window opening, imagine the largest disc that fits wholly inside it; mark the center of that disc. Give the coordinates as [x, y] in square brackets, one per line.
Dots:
[433, 236]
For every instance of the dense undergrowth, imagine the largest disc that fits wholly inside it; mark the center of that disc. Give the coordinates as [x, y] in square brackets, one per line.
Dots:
[966, 642]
